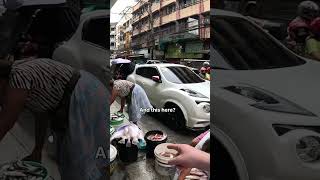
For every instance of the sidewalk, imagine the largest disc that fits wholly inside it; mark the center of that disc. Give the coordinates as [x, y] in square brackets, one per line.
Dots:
[19, 142]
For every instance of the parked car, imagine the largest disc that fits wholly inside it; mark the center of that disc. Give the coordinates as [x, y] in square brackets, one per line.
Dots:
[176, 86]
[87, 48]
[195, 70]
[156, 61]
[266, 112]
[194, 63]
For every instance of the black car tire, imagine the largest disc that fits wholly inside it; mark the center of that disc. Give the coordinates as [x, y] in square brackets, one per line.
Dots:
[176, 120]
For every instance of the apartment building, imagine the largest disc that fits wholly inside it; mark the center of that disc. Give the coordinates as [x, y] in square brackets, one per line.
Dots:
[113, 37]
[171, 29]
[124, 32]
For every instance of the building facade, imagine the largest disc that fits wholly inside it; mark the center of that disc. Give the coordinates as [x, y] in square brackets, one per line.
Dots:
[124, 33]
[113, 38]
[171, 29]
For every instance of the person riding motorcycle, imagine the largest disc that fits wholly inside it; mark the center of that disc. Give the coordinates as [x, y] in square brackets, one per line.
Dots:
[205, 70]
[299, 28]
[313, 41]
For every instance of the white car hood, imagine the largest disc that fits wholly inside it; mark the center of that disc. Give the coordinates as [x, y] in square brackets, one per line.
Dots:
[203, 88]
[299, 84]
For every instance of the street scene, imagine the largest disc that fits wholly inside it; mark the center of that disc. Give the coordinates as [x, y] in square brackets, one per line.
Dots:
[160, 87]
[265, 57]
[50, 51]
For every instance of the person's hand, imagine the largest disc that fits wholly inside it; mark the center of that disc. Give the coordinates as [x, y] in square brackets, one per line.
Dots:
[190, 157]
[183, 173]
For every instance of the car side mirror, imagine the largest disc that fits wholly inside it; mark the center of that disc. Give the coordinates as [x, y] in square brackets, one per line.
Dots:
[156, 79]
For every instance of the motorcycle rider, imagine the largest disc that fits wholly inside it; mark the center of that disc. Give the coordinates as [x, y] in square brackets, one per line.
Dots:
[205, 70]
[313, 41]
[299, 28]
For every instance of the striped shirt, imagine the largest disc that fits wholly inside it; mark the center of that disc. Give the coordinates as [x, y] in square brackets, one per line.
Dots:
[44, 78]
[123, 87]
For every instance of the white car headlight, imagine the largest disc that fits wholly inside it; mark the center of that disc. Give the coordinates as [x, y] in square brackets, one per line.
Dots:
[308, 148]
[194, 93]
[206, 108]
[268, 101]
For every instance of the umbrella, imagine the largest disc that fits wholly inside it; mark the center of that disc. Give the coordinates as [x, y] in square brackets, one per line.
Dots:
[120, 61]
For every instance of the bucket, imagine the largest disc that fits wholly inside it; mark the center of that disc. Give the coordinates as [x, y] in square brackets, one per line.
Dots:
[151, 144]
[113, 155]
[163, 155]
[127, 154]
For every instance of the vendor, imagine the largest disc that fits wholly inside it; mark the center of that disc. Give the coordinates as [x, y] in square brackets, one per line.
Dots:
[76, 99]
[134, 95]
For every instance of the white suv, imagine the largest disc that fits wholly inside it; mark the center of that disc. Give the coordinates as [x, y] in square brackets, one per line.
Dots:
[176, 87]
[87, 48]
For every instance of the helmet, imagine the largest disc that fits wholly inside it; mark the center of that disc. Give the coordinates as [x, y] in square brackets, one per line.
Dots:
[298, 30]
[315, 26]
[308, 10]
[206, 64]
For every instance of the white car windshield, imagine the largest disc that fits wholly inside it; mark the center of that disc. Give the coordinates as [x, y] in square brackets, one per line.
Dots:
[180, 75]
[246, 47]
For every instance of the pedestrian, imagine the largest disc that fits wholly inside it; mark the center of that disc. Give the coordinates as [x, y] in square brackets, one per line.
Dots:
[134, 95]
[313, 41]
[76, 100]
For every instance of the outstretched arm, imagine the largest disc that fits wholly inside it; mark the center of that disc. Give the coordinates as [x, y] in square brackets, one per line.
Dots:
[123, 102]
[114, 95]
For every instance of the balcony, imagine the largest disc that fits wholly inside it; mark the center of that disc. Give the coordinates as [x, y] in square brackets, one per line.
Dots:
[189, 11]
[135, 19]
[167, 2]
[135, 32]
[145, 28]
[169, 18]
[155, 7]
[194, 9]
[136, 7]
[156, 22]
[206, 5]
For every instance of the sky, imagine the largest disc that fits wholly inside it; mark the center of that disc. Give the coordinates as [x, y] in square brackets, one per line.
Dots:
[118, 7]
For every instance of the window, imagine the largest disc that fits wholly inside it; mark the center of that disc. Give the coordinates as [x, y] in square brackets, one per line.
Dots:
[233, 40]
[147, 72]
[180, 75]
[94, 32]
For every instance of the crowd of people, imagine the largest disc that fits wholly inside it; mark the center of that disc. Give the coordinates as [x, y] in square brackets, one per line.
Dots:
[304, 31]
